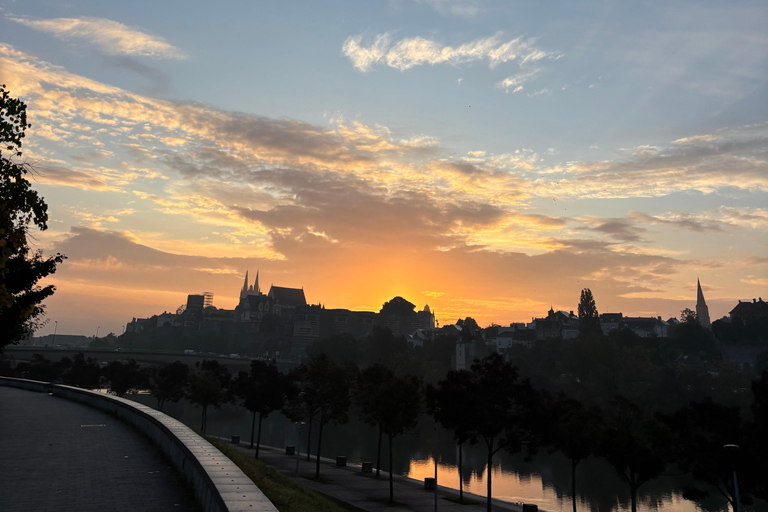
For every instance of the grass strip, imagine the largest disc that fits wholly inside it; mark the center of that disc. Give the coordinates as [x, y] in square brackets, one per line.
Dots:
[285, 493]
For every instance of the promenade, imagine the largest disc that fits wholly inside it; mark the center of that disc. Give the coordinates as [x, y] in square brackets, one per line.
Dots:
[365, 491]
[58, 455]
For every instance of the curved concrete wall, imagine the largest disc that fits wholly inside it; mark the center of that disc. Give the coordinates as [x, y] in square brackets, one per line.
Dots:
[220, 486]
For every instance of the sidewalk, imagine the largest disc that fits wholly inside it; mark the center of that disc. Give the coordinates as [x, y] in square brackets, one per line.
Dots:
[57, 455]
[365, 491]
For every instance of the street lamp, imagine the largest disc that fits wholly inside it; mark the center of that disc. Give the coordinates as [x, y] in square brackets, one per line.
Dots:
[437, 411]
[55, 327]
[298, 443]
[733, 451]
[97, 331]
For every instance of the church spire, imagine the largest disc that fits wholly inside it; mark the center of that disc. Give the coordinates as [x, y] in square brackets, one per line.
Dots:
[256, 284]
[702, 311]
[244, 291]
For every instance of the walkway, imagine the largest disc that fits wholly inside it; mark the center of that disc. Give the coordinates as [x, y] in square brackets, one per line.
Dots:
[367, 492]
[57, 455]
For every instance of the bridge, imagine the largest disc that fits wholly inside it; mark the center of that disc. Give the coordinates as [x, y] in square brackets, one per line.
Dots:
[143, 357]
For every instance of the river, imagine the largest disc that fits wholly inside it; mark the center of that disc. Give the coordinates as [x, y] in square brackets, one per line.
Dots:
[545, 480]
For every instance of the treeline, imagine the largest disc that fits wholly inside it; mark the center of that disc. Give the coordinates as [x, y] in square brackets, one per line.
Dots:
[491, 404]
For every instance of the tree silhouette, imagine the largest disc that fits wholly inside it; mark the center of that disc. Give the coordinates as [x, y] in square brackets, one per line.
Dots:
[82, 373]
[124, 377]
[450, 403]
[169, 383]
[398, 406]
[323, 393]
[262, 390]
[209, 385]
[21, 209]
[589, 318]
[634, 445]
[495, 410]
[367, 397]
[572, 429]
[700, 431]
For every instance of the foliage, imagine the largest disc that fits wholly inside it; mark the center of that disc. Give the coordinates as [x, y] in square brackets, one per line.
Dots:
[633, 444]
[327, 387]
[83, 373]
[391, 403]
[21, 209]
[688, 316]
[573, 430]
[699, 433]
[124, 377]
[209, 385]
[169, 383]
[262, 390]
[449, 403]
[589, 318]
[40, 369]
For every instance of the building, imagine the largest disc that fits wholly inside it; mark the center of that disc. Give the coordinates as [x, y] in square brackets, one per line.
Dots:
[401, 317]
[749, 311]
[702, 311]
[557, 324]
[644, 327]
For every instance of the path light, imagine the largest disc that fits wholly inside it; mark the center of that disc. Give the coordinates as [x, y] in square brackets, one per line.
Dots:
[733, 451]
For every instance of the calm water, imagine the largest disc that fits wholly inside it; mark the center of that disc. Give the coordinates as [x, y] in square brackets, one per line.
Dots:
[544, 481]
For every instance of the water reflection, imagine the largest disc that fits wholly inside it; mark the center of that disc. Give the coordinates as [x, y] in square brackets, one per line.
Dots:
[544, 481]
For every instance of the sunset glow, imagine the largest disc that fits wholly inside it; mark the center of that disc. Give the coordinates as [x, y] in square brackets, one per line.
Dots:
[488, 159]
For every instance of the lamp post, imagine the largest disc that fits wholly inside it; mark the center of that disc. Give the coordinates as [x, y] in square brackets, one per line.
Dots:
[97, 332]
[55, 328]
[298, 443]
[733, 451]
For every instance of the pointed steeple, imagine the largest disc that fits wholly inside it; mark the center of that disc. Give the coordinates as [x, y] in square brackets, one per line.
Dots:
[244, 291]
[256, 284]
[702, 311]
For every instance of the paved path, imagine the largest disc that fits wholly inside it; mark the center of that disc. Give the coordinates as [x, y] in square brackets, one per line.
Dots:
[59, 456]
[367, 492]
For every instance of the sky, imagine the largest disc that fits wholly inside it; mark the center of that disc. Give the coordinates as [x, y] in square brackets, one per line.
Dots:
[487, 158]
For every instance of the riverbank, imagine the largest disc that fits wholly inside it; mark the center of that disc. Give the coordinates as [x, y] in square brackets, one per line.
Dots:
[361, 491]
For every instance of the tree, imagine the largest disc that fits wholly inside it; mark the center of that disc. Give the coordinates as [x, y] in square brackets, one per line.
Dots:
[688, 316]
[589, 318]
[262, 390]
[301, 406]
[327, 387]
[209, 385]
[573, 431]
[83, 373]
[700, 431]
[398, 407]
[633, 444]
[495, 409]
[124, 377]
[21, 209]
[367, 396]
[450, 402]
[169, 383]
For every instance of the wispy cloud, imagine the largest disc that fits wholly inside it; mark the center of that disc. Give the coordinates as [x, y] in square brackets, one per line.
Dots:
[111, 37]
[417, 51]
[515, 83]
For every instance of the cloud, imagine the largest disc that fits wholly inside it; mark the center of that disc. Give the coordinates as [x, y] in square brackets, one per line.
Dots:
[708, 164]
[417, 51]
[111, 37]
[515, 82]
